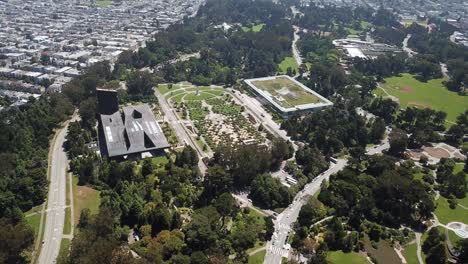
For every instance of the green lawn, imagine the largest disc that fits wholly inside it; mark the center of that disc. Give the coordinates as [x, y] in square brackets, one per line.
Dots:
[178, 97]
[410, 254]
[257, 258]
[258, 244]
[409, 22]
[64, 248]
[291, 93]
[164, 88]
[454, 238]
[433, 94]
[339, 257]
[67, 224]
[458, 168]
[352, 31]
[200, 96]
[84, 197]
[365, 24]
[446, 214]
[254, 28]
[352, 36]
[288, 62]
[34, 221]
[103, 3]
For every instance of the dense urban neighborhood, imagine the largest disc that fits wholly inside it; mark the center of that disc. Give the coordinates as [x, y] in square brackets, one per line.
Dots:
[234, 131]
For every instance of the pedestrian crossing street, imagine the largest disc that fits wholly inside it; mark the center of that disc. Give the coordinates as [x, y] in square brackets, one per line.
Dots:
[284, 227]
[277, 251]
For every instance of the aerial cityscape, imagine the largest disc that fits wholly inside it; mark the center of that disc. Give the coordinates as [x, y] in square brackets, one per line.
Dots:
[234, 131]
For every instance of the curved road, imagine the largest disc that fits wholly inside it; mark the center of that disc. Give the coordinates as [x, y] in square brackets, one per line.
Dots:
[56, 201]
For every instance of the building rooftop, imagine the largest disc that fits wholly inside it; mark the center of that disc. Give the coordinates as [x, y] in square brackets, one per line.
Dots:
[287, 94]
[134, 130]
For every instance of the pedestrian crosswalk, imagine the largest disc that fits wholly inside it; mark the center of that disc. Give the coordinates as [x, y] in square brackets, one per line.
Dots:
[284, 227]
[277, 251]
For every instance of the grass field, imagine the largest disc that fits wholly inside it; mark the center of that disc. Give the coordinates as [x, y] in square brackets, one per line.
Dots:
[446, 214]
[458, 168]
[410, 254]
[200, 96]
[189, 94]
[454, 238]
[288, 62]
[254, 28]
[432, 94]
[64, 247]
[291, 93]
[409, 22]
[339, 257]
[258, 244]
[257, 258]
[67, 224]
[84, 197]
[163, 88]
[34, 221]
[103, 3]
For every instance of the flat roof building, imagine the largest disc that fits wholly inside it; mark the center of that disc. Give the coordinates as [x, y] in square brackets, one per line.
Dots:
[287, 95]
[130, 132]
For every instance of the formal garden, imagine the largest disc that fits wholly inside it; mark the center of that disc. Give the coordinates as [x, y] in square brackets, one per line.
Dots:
[215, 114]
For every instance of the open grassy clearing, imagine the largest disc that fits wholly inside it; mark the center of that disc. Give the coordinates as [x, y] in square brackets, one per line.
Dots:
[258, 257]
[84, 197]
[365, 24]
[286, 92]
[190, 94]
[339, 257]
[64, 248]
[67, 224]
[34, 222]
[254, 28]
[409, 22]
[198, 97]
[258, 244]
[288, 62]
[432, 94]
[163, 88]
[454, 238]
[458, 168]
[447, 215]
[410, 254]
[103, 3]
[353, 31]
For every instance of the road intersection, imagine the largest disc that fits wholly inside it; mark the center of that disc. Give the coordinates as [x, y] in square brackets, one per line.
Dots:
[277, 247]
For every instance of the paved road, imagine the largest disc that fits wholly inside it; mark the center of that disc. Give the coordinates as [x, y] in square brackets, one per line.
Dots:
[171, 117]
[295, 50]
[409, 51]
[56, 201]
[283, 225]
[383, 146]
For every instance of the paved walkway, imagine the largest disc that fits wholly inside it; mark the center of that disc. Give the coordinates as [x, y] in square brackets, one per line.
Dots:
[257, 250]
